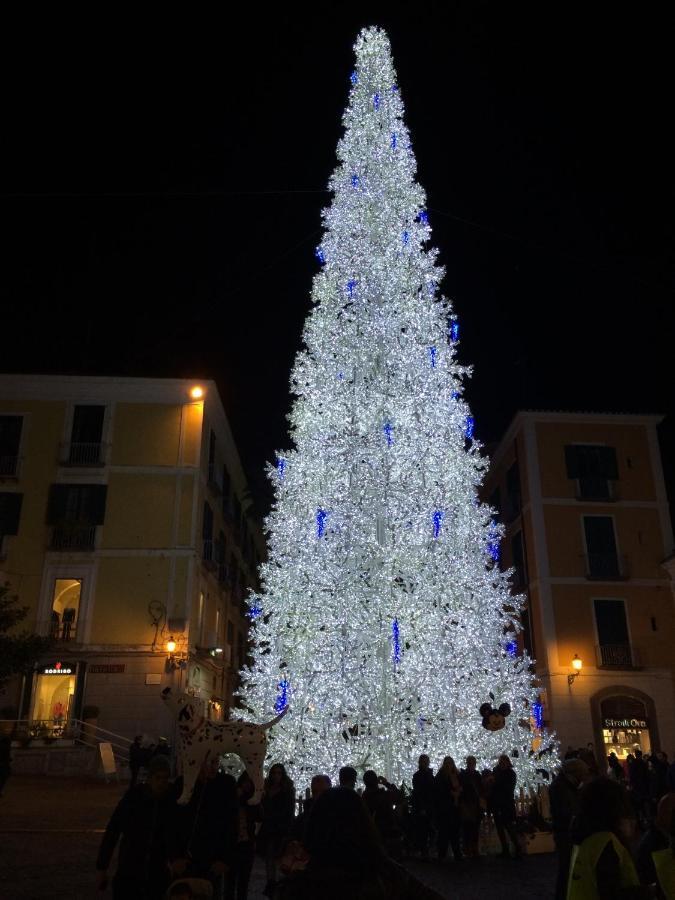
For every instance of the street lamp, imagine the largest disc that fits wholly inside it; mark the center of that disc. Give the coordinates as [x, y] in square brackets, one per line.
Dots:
[577, 666]
[171, 646]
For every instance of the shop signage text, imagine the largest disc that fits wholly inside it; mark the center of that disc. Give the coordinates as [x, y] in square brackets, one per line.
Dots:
[57, 669]
[103, 669]
[624, 723]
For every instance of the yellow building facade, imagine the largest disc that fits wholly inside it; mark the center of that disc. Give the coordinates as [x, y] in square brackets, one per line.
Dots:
[125, 528]
[588, 531]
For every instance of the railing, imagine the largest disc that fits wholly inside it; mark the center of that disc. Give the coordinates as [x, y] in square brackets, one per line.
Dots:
[50, 731]
[597, 489]
[208, 555]
[617, 656]
[78, 453]
[72, 538]
[606, 567]
[59, 631]
[8, 466]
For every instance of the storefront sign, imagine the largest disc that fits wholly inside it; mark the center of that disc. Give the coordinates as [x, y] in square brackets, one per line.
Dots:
[106, 669]
[624, 723]
[57, 668]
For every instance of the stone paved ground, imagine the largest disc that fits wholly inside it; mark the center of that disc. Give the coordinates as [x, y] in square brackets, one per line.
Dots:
[50, 829]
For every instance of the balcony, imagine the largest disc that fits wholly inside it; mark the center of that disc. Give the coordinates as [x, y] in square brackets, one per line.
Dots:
[617, 656]
[606, 567]
[9, 466]
[596, 490]
[59, 631]
[209, 555]
[76, 453]
[73, 538]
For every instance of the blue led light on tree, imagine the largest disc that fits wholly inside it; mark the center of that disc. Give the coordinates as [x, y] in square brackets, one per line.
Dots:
[320, 255]
[255, 610]
[469, 427]
[454, 395]
[405, 237]
[493, 542]
[511, 648]
[393, 140]
[355, 180]
[389, 433]
[432, 357]
[538, 714]
[437, 519]
[321, 516]
[354, 77]
[281, 702]
[454, 331]
[281, 468]
[396, 642]
[423, 217]
[376, 101]
[351, 287]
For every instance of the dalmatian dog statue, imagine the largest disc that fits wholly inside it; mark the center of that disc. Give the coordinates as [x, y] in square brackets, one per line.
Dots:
[200, 738]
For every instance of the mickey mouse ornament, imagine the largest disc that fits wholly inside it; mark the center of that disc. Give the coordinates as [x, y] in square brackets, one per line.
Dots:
[494, 719]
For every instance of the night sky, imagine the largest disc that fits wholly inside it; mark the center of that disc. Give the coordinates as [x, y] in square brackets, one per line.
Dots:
[163, 184]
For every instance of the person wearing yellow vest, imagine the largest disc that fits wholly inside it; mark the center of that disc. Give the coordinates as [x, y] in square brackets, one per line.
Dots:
[601, 867]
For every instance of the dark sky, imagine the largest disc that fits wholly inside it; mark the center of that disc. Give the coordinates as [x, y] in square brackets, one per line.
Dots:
[163, 184]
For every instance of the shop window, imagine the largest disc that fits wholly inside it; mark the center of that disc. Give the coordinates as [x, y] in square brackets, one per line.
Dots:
[54, 698]
[10, 440]
[86, 437]
[65, 611]
[625, 726]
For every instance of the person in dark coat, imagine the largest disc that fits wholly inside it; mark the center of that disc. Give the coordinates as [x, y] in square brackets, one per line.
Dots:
[447, 791]
[470, 806]
[503, 805]
[564, 798]
[144, 820]
[237, 881]
[278, 809]
[381, 798]
[318, 786]
[206, 833]
[346, 857]
[422, 805]
[136, 759]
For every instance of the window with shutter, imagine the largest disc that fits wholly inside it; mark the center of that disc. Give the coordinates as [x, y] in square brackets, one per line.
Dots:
[594, 467]
[601, 550]
[10, 439]
[86, 436]
[10, 512]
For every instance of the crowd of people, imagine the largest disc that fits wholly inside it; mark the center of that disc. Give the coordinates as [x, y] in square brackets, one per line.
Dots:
[614, 826]
[349, 839]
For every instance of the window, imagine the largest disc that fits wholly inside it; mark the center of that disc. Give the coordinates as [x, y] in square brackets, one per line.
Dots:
[518, 560]
[218, 626]
[74, 511]
[10, 439]
[200, 617]
[612, 628]
[10, 512]
[86, 436]
[602, 560]
[214, 471]
[65, 609]
[207, 533]
[513, 492]
[594, 467]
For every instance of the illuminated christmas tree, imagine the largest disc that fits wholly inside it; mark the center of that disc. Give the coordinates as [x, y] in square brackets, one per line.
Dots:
[384, 622]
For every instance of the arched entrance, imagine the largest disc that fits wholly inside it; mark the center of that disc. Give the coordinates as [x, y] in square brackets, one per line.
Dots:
[624, 720]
